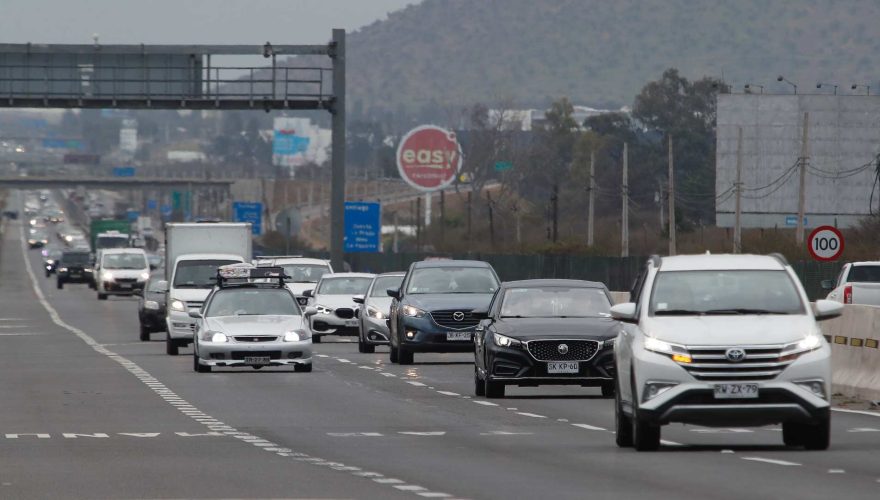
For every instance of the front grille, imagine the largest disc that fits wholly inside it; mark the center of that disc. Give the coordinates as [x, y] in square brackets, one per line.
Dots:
[126, 280]
[345, 313]
[548, 350]
[447, 319]
[251, 338]
[240, 355]
[711, 363]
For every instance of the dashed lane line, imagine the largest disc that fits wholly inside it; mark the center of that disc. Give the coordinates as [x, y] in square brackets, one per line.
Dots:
[169, 396]
[772, 461]
[590, 427]
[857, 412]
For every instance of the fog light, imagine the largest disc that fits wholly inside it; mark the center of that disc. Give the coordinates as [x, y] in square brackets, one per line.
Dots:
[817, 387]
[410, 334]
[654, 389]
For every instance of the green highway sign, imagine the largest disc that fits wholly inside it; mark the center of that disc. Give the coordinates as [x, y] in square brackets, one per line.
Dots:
[501, 166]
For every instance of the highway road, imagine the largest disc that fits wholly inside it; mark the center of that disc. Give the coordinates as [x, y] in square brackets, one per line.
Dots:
[88, 411]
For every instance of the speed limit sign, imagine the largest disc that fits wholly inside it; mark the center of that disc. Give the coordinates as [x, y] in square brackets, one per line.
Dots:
[825, 243]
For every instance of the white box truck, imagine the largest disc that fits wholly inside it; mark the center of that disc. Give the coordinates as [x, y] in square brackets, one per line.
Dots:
[193, 251]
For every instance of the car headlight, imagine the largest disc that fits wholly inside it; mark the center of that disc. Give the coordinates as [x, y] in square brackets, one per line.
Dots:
[375, 313]
[151, 304]
[296, 336]
[50, 261]
[107, 276]
[63, 269]
[178, 305]
[413, 312]
[215, 337]
[810, 342]
[145, 276]
[794, 350]
[324, 309]
[504, 341]
[676, 352]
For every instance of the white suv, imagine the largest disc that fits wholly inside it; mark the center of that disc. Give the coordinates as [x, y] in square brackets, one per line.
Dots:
[722, 340]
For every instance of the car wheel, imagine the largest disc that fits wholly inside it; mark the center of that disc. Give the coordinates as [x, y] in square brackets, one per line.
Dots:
[608, 390]
[60, 285]
[170, 346]
[792, 434]
[316, 339]
[622, 424]
[145, 334]
[404, 356]
[393, 356]
[198, 367]
[93, 286]
[818, 436]
[493, 389]
[48, 274]
[645, 435]
[102, 296]
[365, 347]
[479, 385]
[302, 368]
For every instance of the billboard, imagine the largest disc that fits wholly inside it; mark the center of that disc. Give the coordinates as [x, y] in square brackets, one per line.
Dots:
[843, 143]
[297, 142]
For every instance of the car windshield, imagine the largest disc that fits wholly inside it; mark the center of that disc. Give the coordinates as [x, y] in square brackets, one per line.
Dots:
[383, 283]
[305, 273]
[864, 274]
[75, 259]
[252, 302]
[344, 286]
[123, 261]
[724, 292]
[453, 280]
[111, 242]
[555, 302]
[157, 286]
[198, 273]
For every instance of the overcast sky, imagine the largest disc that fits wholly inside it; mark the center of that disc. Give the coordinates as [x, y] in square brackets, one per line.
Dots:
[186, 21]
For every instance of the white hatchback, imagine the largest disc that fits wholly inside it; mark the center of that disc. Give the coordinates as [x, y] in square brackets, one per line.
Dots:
[121, 271]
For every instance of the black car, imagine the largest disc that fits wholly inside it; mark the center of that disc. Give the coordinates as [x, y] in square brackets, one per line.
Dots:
[432, 309]
[75, 266]
[151, 307]
[545, 332]
[50, 260]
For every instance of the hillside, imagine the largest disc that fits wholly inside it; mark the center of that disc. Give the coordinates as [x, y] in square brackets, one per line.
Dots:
[441, 54]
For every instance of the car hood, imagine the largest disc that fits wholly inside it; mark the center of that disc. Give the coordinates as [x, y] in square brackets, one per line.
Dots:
[298, 288]
[157, 296]
[335, 301]
[549, 328]
[729, 330]
[254, 325]
[190, 294]
[125, 273]
[440, 301]
[380, 303]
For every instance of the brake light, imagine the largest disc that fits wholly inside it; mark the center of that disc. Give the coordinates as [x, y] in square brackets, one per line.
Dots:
[847, 294]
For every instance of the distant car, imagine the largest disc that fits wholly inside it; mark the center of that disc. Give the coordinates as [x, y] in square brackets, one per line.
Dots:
[857, 283]
[303, 272]
[75, 266]
[121, 271]
[546, 332]
[333, 299]
[151, 307]
[51, 257]
[432, 309]
[38, 238]
[373, 311]
[251, 319]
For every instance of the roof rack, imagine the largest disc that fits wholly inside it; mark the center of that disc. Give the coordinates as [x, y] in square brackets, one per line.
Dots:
[247, 275]
[270, 257]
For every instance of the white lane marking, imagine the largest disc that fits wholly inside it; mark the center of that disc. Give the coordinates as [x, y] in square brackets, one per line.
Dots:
[563, 420]
[506, 433]
[513, 409]
[864, 429]
[20, 334]
[13, 319]
[836, 471]
[387, 480]
[427, 433]
[13, 326]
[449, 393]
[527, 414]
[362, 367]
[670, 443]
[858, 412]
[727, 451]
[409, 487]
[322, 355]
[772, 461]
[437, 494]
[355, 434]
[386, 374]
[153, 383]
[590, 427]
[485, 403]
[417, 384]
[341, 360]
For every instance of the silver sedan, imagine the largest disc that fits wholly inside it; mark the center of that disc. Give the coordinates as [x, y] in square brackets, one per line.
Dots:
[373, 311]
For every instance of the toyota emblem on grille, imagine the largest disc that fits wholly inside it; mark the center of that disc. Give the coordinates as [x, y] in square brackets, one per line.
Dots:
[562, 348]
[735, 354]
[458, 316]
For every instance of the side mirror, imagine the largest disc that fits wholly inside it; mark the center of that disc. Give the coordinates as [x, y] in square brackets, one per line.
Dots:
[625, 312]
[827, 285]
[195, 314]
[309, 293]
[827, 309]
[393, 293]
[358, 299]
[480, 314]
[310, 311]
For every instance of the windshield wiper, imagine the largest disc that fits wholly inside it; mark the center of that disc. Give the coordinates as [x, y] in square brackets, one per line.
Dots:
[743, 310]
[678, 312]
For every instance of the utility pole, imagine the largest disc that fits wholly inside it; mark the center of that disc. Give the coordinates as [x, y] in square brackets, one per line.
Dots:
[470, 206]
[737, 224]
[802, 198]
[337, 191]
[418, 224]
[591, 193]
[671, 200]
[554, 206]
[395, 244]
[442, 215]
[624, 194]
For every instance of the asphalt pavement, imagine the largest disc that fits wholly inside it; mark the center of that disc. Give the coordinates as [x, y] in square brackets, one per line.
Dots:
[91, 412]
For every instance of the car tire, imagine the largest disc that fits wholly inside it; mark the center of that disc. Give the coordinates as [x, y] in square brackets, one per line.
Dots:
[404, 356]
[393, 356]
[171, 346]
[48, 274]
[608, 390]
[198, 367]
[622, 424]
[302, 368]
[93, 286]
[793, 434]
[479, 385]
[144, 334]
[60, 285]
[102, 296]
[818, 436]
[365, 348]
[645, 435]
[316, 339]
[494, 390]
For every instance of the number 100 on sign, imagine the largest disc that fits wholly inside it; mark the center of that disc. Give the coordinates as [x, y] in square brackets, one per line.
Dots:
[825, 243]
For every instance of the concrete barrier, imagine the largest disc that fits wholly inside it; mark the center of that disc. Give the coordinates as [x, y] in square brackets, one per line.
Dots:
[855, 356]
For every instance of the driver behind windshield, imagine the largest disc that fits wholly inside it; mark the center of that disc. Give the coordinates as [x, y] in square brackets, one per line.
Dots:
[253, 303]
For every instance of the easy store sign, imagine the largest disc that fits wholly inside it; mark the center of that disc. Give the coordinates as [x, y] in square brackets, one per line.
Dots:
[429, 158]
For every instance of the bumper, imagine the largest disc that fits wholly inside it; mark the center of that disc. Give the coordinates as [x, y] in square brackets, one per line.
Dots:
[81, 278]
[514, 366]
[179, 325]
[430, 337]
[153, 319]
[330, 324]
[234, 353]
[375, 331]
[113, 288]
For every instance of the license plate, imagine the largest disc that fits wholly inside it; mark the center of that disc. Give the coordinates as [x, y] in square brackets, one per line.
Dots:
[74, 275]
[736, 391]
[351, 322]
[563, 367]
[256, 360]
[125, 285]
[458, 336]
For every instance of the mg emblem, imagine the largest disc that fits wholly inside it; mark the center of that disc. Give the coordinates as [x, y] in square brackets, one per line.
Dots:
[458, 316]
[735, 354]
[563, 349]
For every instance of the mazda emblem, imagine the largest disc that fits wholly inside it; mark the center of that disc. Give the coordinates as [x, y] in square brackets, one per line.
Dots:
[458, 316]
[735, 354]
[562, 348]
